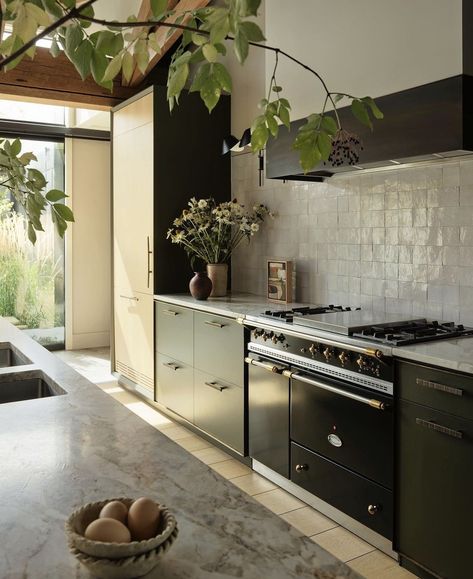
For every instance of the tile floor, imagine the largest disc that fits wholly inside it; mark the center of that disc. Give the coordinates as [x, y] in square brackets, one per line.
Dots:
[362, 557]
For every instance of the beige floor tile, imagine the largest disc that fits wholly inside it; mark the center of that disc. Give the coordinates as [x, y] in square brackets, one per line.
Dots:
[175, 432]
[377, 565]
[124, 397]
[253, 483]
[309, 521]
[193, 443]
[211, 455]
[145, 411]
[230, 468]
[279, 501]
[342, 544]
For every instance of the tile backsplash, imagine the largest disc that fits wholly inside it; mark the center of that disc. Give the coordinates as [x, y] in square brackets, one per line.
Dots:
[399, 240]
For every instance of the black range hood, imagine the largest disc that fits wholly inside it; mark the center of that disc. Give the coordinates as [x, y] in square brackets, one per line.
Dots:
[432, 121]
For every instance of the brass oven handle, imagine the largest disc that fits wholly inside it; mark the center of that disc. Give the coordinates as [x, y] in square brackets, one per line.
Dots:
[216, 386]
[439, 428]
[274, 368]
[439, 387]
[171, 365]
[214, 324]
[149, 252]
[170, 313]
[130, 298]
[346, 394]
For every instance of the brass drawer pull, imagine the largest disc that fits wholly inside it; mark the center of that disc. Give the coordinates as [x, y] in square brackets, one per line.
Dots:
[439, 387]
[214, 324]
[216, 386]
[171, 365]
[170, 313]
[302, 467]
[373, 509]
[130, 298]
[439, 428]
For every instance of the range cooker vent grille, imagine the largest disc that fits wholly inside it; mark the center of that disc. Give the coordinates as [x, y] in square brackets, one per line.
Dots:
[347, 375]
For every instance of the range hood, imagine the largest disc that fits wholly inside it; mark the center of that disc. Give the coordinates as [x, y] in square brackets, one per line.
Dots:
[432, 121]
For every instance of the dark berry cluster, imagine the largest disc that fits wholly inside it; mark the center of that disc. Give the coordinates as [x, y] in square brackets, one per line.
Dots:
[346, 149]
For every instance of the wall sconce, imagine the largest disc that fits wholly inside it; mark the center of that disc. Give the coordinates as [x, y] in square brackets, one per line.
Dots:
[231, 143]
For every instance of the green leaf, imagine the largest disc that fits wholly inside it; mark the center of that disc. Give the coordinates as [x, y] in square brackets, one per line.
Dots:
[127, 66]
[283, 114]
[272, 125]
[64, 211]
[277, 88]
[210, 92]
[87, 11]
[98, 66]
[210, 52]
[329, 124]
[200, 77]
[250, 7]
[259, 137]
[223, 77]
[359, 111]
[285, 103]
[324, 144]
[54, 49]
[37, 178]
[113, 68]
[309, 157]
[177, 80]
[252, 31]
[54, 195]
[337, 97]
[31, 233]
[52, 7]
[81, 58]
[142, 55]
[241, 46]
[38, 14]
[16, 147]
[158, 7]
[26, 158]
[220, 29]
[74, 36]
[376, 112]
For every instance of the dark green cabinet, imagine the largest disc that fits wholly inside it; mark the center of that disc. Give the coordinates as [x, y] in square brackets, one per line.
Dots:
[434, 472]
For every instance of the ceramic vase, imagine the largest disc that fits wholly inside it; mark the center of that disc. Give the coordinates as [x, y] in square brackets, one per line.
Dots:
[217, 273]
[200, 285]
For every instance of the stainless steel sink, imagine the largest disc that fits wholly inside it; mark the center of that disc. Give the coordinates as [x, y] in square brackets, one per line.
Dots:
[11, 356]
[27, 387]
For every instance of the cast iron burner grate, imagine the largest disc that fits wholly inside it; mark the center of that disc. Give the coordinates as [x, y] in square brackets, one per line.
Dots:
[403, 334]
[288, 316]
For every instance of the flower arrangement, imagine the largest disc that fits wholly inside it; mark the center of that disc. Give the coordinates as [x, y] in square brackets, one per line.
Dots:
[211, 231]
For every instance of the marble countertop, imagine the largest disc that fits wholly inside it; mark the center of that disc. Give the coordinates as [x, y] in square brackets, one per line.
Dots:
[61, 452]
[454, 354]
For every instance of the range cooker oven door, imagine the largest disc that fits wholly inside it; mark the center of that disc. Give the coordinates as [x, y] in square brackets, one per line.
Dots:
[347, 424]
[268, 413]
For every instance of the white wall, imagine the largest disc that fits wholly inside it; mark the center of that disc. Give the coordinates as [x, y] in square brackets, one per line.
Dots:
[362, 47]
[88, 250]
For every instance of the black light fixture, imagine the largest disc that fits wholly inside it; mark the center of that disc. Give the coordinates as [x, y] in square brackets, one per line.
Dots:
[228, 144]
[245, 138]
[231, 143]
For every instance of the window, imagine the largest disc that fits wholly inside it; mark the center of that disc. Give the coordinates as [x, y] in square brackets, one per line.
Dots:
[31, 112]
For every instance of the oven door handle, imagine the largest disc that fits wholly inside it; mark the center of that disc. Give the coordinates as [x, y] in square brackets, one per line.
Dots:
[269, 366]
[369, 401]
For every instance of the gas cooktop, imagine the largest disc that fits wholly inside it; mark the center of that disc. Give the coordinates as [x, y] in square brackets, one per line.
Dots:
[390, 329]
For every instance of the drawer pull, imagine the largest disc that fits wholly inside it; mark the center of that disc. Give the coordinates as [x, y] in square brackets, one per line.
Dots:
[214, 324]
[170, 313]
[439, 428]
[216, 386]
[373, 509]
[171, 365]
[439, 387]
[130, 298]
[302, 467]
[266, 365]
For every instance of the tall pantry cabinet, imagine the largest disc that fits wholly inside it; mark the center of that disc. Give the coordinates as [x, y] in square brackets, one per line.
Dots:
[159, 161]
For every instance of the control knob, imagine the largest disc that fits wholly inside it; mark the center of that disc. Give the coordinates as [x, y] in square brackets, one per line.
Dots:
[257, 333]
[313, 349]
[267, 336]
[275, 339]
[344, 358]
[328, 353]
[362, 364]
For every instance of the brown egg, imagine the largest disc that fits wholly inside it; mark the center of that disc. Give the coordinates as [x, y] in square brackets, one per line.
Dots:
[143, 519]
[114, 510]
[108, 531]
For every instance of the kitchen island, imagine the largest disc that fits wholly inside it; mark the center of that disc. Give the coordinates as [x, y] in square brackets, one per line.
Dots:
[63, 451]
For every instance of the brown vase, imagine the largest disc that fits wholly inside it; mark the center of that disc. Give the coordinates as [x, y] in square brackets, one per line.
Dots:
[217, 273]
[200, 286]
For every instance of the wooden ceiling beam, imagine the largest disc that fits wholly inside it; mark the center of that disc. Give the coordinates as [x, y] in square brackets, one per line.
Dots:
[166, 40]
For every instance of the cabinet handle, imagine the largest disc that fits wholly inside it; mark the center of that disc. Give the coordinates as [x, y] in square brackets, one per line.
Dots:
[149, 252]
[130, 298]
[266, 365]
[439, 428]
[170, 313]
[216, 386]
[373, 509]
[302, 467]
[439, 387]
[171, 365]
[214, 324]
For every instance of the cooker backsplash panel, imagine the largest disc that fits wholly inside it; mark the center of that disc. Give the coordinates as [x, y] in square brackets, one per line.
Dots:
[400, 241]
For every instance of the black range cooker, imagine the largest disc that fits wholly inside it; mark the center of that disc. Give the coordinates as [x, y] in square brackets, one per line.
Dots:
[321, 401]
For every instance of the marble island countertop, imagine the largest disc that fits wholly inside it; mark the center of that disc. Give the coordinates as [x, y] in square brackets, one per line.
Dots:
[452, 354]
[61, 452]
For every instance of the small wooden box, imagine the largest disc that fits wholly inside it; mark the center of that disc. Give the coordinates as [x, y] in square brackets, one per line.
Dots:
[280, 281]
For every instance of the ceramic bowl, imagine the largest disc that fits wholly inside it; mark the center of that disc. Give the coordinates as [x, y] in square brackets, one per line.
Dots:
[81, 518]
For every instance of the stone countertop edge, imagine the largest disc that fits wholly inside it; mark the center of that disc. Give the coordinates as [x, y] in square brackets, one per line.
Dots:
[61, 452]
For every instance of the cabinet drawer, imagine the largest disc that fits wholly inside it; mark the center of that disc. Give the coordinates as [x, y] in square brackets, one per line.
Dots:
[446, 391]
[174, 332]
[218, 409]
[433, 497]
[175, 386]
[218, 347]
[346, 491]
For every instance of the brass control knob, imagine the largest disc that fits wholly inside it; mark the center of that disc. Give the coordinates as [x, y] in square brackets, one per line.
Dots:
[373, 509]
[313, 349]
[328, 353]
[344, 358]
[267, 336]
[302, 467]
[362, 363]
[303, 350]
[257, 333]
[275, 339]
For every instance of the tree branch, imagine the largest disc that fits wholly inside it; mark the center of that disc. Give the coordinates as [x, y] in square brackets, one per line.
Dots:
[143, 24]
